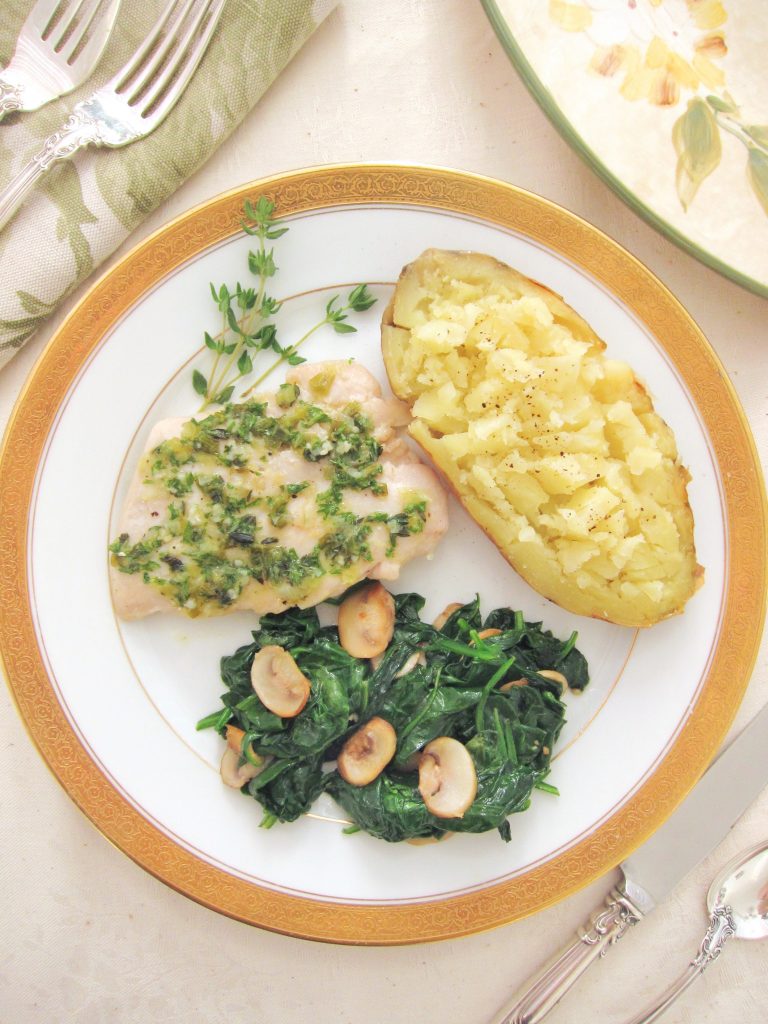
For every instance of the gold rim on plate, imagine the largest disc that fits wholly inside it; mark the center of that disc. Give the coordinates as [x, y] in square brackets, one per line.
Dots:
[577, 241]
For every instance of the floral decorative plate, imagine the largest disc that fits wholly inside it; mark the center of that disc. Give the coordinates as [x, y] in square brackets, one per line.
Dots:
[668, 101]
[112, 705]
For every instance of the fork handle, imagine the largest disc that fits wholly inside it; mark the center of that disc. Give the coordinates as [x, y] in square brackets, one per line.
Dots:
[541, 996]
[10, 96]
[78, 131]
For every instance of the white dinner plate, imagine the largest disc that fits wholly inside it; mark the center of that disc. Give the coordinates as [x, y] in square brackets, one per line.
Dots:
[113, 705]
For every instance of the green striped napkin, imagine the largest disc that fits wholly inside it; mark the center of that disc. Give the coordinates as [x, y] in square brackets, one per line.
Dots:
[84, 207]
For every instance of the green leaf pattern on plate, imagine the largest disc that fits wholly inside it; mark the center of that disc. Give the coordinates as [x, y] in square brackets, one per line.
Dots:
[649, 60]
[758, 175]
[753, 136]
[87, 206]
[696, 138]
[722, 104]
[759, 133]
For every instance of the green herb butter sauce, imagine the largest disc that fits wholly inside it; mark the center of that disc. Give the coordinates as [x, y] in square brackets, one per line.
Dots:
[229, 514]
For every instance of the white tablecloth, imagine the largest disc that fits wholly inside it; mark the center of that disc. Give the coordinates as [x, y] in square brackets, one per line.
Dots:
[87, 937]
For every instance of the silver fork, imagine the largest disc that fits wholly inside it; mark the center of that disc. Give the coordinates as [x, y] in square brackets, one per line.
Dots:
[58, 47]
[135, 101]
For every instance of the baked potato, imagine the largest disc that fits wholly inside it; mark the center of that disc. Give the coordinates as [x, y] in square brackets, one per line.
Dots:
[553, 448]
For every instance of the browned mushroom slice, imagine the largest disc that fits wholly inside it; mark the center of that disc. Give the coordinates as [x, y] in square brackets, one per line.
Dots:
[235, 774]
[367, 621]
[417, 658]
[367, 752]
[558, 677]
[511, 684]
[548, 673]
[424, 840]
[487, 634]
[445, 614]
[278, 682]
[235, 738]
[447, 778]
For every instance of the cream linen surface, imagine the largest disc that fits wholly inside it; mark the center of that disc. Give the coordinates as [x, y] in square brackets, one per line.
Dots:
[84, 207]
[89, 937]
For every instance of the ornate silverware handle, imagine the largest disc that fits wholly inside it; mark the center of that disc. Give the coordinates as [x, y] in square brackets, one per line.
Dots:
[76, 133]
[606, 928]
[720, 929]
[10, 96]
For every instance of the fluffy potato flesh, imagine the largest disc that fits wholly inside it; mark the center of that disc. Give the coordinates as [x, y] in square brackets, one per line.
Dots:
[554, 449]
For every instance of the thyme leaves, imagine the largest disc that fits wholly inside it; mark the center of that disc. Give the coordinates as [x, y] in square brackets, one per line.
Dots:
[248, 313]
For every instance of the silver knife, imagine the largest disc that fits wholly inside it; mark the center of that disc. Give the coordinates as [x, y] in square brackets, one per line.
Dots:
[700, 823]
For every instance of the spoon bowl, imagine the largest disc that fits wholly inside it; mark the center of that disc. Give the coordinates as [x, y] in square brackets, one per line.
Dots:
[742, 887]
[738, 905]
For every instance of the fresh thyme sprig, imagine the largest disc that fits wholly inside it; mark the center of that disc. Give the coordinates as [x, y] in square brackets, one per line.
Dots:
[358, 300]
[248, 326]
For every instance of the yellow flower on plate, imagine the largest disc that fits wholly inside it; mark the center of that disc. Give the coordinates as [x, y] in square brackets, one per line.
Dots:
[665, 51]
[571, 17]
[658, 47]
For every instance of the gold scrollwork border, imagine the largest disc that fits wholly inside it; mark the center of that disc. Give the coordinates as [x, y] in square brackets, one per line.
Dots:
[745, 589]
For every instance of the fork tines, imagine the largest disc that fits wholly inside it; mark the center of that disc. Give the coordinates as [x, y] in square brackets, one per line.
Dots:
[69, 29]
[169, 55]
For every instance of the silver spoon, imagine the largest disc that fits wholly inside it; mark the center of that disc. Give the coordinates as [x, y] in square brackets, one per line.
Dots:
[738, 905]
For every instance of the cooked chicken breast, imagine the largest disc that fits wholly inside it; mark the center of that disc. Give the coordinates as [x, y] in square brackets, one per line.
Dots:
[284, 500]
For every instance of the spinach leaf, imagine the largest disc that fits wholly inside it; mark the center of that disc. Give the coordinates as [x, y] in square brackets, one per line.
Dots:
[389, 808]
[288, 788]
[549, 652]
[403, 697]
[511, 755]
[325, 716]
[326, 655]
[461, 621]
[236, 670]
[436, 716]
[575, 669]
[503, 788]
[294, 628]
[407, 638]
[254, 718]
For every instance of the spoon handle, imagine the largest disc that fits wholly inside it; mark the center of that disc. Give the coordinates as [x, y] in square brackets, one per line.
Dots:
[721, 927]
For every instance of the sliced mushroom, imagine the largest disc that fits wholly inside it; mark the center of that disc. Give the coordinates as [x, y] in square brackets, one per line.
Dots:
[558, 677]
[485, 633]
[367, 752]
[278, 682]
[447, 778]
[235, 738]
[424, 840]
[235, 774]
[511, 684]
[367, 621]
[417, 658]
[548, 673]
[445, 614]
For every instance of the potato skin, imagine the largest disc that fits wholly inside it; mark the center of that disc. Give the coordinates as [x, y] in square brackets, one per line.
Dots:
[555, 450]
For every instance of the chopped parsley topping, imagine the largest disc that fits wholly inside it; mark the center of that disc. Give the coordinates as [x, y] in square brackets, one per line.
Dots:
[223, 505]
